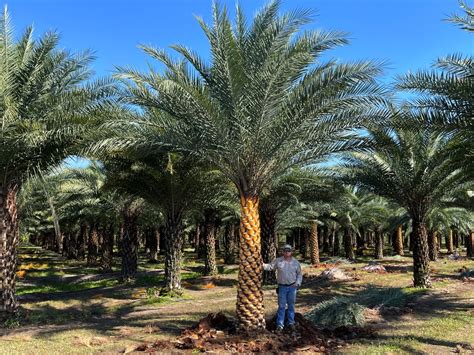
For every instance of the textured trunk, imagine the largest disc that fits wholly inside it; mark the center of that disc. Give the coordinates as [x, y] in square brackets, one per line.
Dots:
[449, 241]
[433, 245]
[314, 244]
[325, 247]
[210, 265]
[129, 245]
[107, 248]
[398, 242]
[196, 238]
[93, 245]
[250, 311]
[456, 239]
[201, 252]
[378, 243]
[269, 247]
[152, 239]
[421, 261]
[81, 242]
[173, 238]
[470, 244]
[229, 251]
[348, 250]
[8, 246]
[335, 242]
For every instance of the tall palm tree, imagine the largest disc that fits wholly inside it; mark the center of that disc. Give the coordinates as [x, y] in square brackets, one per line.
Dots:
[412, 168]
[43, 103]
[264, 102]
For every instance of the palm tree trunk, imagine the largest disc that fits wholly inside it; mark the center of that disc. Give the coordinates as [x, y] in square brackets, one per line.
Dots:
[107, 248]
[250, 311]
[449, 241]
[421, 260]
[335, 241]
[325, 231]
[210, 266]
[229, 250]
[173, 238]
[314, 244]
[93, 245]
[201, 252]
[433, 245]
[129, 245]
[470, 244]
[269, 247]
[81, 242]
[8, 245]
[456, 239]
[378, 243]
[348, 250]
[398, 243]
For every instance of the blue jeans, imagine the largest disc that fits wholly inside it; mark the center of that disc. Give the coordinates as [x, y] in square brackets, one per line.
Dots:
[286, 296]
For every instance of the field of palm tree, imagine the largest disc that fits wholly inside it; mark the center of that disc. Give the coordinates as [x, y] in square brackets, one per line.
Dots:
[68, 306]
[198, 173]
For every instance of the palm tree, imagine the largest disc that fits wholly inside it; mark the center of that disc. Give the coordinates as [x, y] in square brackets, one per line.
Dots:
[43, 103]
[265, 102]
[444, 219]
[445, 93]
[413, 169]
[85, 201]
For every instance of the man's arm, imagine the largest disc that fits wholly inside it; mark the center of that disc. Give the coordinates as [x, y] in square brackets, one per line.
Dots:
[270, 267]
[299, 275]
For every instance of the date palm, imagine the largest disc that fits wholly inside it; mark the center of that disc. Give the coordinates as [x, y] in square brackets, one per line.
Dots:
[265, 101]
[445, 98]
[43, 101]
[412, 168]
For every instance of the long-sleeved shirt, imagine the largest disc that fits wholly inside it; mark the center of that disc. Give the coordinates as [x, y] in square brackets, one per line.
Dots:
[288, 272]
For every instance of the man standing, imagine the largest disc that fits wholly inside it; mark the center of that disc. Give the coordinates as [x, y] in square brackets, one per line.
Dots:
[289, 278]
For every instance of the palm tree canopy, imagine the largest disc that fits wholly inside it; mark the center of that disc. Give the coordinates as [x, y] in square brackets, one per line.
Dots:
[44, 100]
[265, 100]
[410, 167]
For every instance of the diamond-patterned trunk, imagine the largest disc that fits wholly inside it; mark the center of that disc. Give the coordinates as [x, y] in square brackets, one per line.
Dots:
[210, 266]
[8, 248]
[269, 247]
[249, 310]
[398, 243]
[314, 244]
[421, 261]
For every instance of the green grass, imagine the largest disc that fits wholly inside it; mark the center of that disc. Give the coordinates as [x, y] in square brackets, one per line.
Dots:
[54, 287]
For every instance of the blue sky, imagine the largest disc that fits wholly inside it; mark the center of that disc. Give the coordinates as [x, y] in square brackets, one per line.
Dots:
[409, 34]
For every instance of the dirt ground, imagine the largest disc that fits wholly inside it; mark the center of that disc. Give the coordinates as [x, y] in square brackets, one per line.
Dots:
[70, 308]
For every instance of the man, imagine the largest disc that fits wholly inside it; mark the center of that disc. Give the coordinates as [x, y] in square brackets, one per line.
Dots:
[289, 278]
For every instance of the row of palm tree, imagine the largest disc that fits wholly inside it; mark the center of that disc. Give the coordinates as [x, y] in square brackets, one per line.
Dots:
[242, 135]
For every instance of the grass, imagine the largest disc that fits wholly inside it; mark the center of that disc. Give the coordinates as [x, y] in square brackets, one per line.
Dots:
[110, 317]
[54, 287]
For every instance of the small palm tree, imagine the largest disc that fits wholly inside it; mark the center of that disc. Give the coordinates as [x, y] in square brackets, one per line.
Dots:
[263, 103]
[413, 169]
[43, 105]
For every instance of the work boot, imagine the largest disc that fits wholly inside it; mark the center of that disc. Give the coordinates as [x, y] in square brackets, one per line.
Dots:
[292, 328]
[279, 329]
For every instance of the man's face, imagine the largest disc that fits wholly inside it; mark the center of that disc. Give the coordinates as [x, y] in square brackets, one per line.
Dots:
[287, 252]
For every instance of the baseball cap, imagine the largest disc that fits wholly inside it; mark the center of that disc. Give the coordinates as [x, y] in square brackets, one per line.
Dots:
[287, 247]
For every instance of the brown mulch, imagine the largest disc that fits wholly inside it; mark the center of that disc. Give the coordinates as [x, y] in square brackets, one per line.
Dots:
[217, 333]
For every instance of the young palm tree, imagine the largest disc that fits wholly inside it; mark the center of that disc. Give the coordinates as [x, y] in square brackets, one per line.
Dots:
[413, 169]
[43, 104]
[264, 102]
